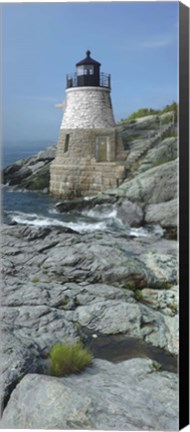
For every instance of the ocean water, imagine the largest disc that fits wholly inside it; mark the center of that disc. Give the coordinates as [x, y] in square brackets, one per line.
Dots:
[35, 209]
[30, 208]
[12, 152]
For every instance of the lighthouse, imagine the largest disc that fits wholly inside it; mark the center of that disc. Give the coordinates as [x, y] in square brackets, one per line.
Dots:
[89, 147]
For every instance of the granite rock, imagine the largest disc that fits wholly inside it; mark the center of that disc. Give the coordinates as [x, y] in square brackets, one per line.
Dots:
[31, 173]
[164, 213]
[123, 396]
[156, 185]
[130, 213]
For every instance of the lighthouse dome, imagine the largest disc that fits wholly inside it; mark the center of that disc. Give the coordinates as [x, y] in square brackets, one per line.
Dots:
[88, 60]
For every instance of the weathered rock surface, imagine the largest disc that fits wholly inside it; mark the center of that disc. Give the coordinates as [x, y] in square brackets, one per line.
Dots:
[54, 280]
[97, 204]
[31, 173]
[18, 357]
[164, 213]
[130, 213]
[163, 266]
[130, 395]
[166, 300]
[135, 320]
[165, 152]
[156, 185]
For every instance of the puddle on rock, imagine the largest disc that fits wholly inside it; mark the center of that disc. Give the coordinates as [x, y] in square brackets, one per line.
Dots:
[116, 348]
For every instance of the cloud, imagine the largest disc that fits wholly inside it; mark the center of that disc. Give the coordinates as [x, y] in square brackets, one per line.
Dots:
[158, 42]
[39, 98]
[154, 42]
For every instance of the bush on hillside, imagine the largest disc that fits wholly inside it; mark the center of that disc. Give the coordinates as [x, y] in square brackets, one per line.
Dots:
[172, 107]
[143, 112]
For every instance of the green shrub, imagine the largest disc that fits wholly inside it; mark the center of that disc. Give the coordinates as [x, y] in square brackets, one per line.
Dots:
[162, 162]
[67, 359]
[35, 280]
[130, 285]
[172, 107]
[139, 295]
[169, 134]
[155, 366]
[142, 112]
[173, 307]
[165, 285]
[64, 301]
[167, 120]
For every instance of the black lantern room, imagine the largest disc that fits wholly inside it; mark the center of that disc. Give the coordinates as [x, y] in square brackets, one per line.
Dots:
[88, 74]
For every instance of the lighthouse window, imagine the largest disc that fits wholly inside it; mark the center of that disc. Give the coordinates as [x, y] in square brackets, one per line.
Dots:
[85, 70]
[89, 70]
[80, 70]
[66, 143]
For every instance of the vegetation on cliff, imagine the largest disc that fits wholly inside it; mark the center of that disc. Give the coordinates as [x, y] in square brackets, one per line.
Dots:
[143, 112]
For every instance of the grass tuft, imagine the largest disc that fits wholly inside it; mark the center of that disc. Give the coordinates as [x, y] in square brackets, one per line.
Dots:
[165, 285]
[35, 280]
[67, 359]
[138, 295]
[130, 285]
[155, 366]
[162, 162]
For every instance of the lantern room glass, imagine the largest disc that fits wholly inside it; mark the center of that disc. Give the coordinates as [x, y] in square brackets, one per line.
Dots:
[85, 70]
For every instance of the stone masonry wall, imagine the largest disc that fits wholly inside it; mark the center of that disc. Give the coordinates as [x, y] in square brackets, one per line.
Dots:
[88, 107]
[81, 177]
[84, 142]
[78, 170]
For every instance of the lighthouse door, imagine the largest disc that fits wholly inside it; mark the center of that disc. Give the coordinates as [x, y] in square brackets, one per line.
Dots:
[101, 148]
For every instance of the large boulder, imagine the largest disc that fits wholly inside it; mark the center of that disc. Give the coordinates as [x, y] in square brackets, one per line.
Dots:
[166, 300]
[164, 213]
[162, 266]
[16, 174]
[130, 213]
[31, 173]
[39, 179]
[18, 357]
[156, 185]
[164, 152]
[133, 319]
[106, 263]
[131, 395]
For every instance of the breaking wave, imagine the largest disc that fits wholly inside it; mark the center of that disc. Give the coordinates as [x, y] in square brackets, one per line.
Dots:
[41, 221]
[153, 230]
[81, 225]
[100, 213]
[39, 210]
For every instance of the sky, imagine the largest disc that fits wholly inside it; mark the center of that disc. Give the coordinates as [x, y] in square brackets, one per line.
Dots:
[136, 42]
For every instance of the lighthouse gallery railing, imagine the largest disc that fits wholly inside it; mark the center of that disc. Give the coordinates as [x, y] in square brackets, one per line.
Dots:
[105, 80]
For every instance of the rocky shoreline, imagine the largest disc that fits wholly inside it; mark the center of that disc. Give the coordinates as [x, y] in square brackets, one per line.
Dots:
[115, 292]
[58, 284]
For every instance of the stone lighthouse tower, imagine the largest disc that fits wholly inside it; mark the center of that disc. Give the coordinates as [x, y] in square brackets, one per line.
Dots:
[88, 149]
